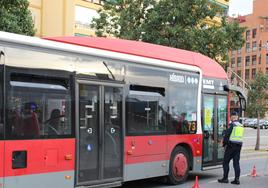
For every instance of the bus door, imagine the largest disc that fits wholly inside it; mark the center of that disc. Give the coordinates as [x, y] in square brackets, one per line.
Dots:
[99, 134]
[214, 122]
[2, 61]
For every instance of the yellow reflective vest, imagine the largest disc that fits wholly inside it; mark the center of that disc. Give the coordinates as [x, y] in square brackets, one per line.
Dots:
[237, 133]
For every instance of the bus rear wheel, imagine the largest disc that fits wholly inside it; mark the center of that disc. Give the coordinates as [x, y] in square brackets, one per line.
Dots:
[179, 166]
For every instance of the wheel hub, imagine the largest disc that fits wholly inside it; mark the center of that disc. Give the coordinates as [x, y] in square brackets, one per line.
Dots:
[180, 165]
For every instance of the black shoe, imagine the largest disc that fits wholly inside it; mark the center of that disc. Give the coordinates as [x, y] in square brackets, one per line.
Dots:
[223, 180]
[236, 182]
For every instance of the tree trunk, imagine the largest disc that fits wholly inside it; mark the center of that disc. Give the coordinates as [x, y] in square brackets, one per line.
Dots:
[257, 147]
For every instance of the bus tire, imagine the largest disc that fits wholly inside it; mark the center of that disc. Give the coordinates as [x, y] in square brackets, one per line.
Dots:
[179, 166]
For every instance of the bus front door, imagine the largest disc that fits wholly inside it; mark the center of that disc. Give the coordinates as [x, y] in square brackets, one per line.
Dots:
[99, 134]
[214, 122]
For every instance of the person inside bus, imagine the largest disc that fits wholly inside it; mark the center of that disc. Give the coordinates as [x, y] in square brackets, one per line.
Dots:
[233, 140]
[54, 122]
[16, 124]
[182, 124]
[30, 123]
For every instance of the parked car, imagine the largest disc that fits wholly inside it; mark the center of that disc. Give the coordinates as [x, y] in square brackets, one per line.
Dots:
[263, 124]
[242, 120]
[250, 122]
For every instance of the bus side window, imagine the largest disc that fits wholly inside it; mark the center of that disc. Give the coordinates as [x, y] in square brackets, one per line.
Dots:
[182, 114]
[1, 103]
[145, 111]
[38, 107]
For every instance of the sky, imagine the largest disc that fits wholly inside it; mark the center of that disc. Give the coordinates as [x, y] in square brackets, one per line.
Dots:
[241, 7]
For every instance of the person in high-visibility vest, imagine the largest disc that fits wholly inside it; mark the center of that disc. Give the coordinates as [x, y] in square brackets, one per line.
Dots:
[232, 142]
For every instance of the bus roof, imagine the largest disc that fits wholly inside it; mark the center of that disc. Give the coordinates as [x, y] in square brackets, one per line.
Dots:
[209, 67]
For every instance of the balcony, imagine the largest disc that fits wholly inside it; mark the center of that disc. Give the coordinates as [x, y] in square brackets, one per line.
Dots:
[222, 3]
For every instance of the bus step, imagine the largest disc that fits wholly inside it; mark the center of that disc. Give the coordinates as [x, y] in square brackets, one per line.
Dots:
[211, 167]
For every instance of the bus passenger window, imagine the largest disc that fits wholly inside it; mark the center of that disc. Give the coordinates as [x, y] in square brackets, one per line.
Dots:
[145, 111]
[38, 107]
[1, 103]
[182, 115]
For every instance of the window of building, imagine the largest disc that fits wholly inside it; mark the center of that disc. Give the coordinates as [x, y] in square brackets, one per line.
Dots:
[247, 47]
[233, 62]
[266, 71]
[39, 107]
[232, 103]
[233, 52]
[239, 60]
[247, 34]
[260, 45]
[100, 2]
[239, 73]
[254, 46]
[247, 60]
[253, 73]
[84, 17]
[239, 51]
[259, 59]
[254, 60]
[266, 58]
[254, 33]
[247, 74]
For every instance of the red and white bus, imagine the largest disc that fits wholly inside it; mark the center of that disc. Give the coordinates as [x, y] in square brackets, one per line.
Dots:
[95, 112]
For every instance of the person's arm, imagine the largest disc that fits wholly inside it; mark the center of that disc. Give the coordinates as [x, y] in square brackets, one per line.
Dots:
[227, 135]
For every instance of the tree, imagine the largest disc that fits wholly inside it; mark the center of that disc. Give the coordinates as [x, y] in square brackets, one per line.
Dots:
[15, 17]
[176, 23]
[257, 101]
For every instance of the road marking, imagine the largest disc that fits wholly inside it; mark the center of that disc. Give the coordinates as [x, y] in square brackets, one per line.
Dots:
[215, 181]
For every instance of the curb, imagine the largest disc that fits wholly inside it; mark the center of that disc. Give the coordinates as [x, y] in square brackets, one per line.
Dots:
[253, 153]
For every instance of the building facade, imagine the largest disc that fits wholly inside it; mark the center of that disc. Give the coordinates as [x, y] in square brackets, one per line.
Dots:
[73, 17]
[63, 17]
[253, 56]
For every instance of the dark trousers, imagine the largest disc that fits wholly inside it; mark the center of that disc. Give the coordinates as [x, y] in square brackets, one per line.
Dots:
[232, 152]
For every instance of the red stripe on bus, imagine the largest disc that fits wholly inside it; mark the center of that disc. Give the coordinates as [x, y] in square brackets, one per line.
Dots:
[43, 156]
[139, 149]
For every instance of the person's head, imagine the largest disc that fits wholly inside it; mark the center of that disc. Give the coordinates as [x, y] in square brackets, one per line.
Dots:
[29, 107]
[234, 116]
[55, 113]
[55, 118]
[183, 114]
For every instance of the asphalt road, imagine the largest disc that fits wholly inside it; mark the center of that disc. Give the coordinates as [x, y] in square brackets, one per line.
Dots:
[208, 179]
[250, 138]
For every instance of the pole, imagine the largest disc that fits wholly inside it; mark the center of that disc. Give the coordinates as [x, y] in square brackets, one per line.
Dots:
[257, 147]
